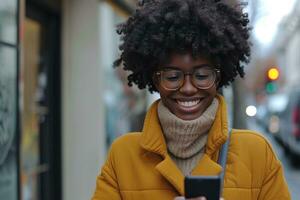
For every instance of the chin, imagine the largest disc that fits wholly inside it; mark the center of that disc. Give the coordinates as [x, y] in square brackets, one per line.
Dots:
[189, 117]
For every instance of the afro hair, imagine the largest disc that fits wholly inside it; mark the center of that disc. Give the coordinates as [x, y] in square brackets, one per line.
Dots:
[212, 28]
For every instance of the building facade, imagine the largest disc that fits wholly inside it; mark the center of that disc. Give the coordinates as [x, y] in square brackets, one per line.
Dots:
[61, 102]
[287, 47]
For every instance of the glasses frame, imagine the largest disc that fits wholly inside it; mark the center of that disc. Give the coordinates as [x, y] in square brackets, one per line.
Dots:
[217, 71]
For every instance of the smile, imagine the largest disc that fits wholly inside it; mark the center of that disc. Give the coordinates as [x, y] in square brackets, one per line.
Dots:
[188, 104]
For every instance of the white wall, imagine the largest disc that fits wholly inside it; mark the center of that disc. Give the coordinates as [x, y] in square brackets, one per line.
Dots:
[83, 112]
[293, 61]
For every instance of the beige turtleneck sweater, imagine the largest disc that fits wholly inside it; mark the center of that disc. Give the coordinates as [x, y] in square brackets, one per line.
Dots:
[186, 139]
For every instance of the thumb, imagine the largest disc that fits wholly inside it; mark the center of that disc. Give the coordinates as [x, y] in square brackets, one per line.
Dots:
[179, 198]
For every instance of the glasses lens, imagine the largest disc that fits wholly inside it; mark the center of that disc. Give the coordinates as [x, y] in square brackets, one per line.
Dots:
[204, 77]
[171, 79]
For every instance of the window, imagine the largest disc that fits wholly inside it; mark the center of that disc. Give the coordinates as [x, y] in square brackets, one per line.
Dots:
[8, 100]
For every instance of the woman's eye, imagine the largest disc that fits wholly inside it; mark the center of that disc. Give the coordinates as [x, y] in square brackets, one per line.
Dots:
[172, 77]
[201, 76]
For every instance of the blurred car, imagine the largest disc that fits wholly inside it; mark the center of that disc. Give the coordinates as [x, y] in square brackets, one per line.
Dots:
[289, 127]
[268, 113]
[261, 116]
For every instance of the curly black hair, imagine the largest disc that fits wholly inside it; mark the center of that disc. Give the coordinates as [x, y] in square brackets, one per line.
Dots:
[203, 27]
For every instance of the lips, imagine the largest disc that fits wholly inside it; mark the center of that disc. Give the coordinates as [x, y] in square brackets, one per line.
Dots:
[188, 104]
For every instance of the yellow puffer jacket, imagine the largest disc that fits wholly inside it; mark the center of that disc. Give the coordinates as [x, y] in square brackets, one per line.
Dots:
[139, 168]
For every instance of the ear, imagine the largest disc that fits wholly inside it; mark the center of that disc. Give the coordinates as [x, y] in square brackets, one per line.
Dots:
[218, 80]
[155, 81]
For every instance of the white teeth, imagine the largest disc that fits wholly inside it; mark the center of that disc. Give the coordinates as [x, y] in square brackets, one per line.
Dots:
[188, 103]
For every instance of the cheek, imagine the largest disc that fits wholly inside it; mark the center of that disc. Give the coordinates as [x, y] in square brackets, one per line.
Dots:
[213, 91]
[165, 96]
[163, 93]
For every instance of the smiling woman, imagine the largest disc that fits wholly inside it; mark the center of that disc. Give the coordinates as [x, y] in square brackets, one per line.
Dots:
[186, 51]
[187, 94]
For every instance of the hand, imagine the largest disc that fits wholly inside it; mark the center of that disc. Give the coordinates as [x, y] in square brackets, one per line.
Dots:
[198, 198]
[182, 198]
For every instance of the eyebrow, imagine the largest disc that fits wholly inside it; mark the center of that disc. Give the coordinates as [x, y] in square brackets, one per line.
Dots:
[177, 68]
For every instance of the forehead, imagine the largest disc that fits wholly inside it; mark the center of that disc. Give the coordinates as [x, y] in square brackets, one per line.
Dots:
[185, 61]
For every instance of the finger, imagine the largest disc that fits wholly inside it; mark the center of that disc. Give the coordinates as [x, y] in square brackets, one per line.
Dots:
[179, 198]
[198, 198]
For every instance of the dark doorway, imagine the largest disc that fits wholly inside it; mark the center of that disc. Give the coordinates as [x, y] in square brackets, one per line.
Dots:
[40, 113]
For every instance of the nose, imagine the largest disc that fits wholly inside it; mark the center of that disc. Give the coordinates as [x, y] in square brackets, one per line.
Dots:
[188, 87]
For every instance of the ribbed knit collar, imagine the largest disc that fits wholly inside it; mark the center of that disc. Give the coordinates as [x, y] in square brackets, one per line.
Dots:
[185, 139]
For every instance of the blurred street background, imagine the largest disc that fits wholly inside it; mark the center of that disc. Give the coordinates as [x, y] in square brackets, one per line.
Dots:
[62, 104]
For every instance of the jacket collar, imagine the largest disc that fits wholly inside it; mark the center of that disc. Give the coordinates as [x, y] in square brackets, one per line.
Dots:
[153, 140]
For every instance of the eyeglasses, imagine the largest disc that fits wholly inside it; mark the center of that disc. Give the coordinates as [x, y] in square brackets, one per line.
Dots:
[202, 77]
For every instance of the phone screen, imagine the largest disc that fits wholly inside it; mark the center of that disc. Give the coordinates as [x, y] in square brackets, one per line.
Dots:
[207, 186]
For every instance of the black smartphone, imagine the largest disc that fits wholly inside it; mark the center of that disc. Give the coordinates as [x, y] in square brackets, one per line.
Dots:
[207, 186]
